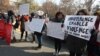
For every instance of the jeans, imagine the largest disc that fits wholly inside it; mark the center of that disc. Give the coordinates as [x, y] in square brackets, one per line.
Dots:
[38, 38]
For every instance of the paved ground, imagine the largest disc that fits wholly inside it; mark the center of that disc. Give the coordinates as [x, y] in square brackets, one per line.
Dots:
[28, 48]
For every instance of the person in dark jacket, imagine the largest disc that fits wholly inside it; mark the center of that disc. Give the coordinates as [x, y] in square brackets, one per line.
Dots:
[59, 17]
[22, 28]
[2, 16]
[15, 26]
[76, 45]
[31, 17]
[10, 16]
[93, 45]
[39, 35]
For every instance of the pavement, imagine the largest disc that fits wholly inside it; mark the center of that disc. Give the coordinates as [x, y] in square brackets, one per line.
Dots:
[28, 48]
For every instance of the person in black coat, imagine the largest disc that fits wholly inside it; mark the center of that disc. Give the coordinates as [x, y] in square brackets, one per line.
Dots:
[93, 46]
[76, 45]
[10, 16]
[59, 17]
[22, 28]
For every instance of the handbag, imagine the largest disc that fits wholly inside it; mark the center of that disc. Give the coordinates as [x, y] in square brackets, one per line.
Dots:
[16, 24]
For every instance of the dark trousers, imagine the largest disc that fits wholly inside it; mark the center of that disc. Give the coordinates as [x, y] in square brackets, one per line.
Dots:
[38, 38]
[75, 54]
[22, 32]
[33, 37]
[93, 50]
[57, 45]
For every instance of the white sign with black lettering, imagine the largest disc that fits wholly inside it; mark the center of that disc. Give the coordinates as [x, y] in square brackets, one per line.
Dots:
[80, 26]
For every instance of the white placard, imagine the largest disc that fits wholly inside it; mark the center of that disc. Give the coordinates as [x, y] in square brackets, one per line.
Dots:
[36, 25]
[26, 25]
[80, 26]
[24, 9]
[55, 30]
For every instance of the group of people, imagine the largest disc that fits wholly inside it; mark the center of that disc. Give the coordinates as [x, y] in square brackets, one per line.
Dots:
[22, 22]
[76, 46]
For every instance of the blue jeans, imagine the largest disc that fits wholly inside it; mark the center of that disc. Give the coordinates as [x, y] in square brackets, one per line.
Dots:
[39, 38]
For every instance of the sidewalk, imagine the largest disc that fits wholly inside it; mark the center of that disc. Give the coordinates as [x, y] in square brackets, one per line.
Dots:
[27, 48]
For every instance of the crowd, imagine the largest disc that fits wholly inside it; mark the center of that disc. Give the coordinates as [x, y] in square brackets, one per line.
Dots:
[76, 46]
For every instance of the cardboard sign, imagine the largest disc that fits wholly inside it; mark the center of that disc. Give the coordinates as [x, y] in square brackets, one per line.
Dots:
[80, 26]
[24, 9]
[36, 25]
[54, 30]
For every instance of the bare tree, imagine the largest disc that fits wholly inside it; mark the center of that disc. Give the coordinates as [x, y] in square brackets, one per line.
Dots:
[50, 8]
[67, 6]
[88, 4]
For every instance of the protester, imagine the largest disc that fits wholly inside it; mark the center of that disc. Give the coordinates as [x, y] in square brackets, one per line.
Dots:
[59, 18]
[17, 21]
[76, 45]
[10, 19]
[15, 26]
[32, 17]
[39, 35]
[2, 16]
[93, 45]
[22, 27]
[10, 16]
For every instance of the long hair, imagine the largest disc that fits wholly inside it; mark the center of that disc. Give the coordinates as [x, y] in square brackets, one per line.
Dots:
[58, 13]
[10, 13]
[97, 12]
[84, 11]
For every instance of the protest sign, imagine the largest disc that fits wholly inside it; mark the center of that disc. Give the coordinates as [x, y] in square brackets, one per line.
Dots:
[54, 30]
[36, 25]
[24, 9]
[80, 26]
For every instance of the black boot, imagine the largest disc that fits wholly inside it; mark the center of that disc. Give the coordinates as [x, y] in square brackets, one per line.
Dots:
[13, 40]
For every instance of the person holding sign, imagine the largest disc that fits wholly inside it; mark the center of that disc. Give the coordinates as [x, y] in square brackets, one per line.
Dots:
[94, 43]
[15, 26]
[30, 19]
[22, 26]
[59, 18]
[76, 45]
[39, 34]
